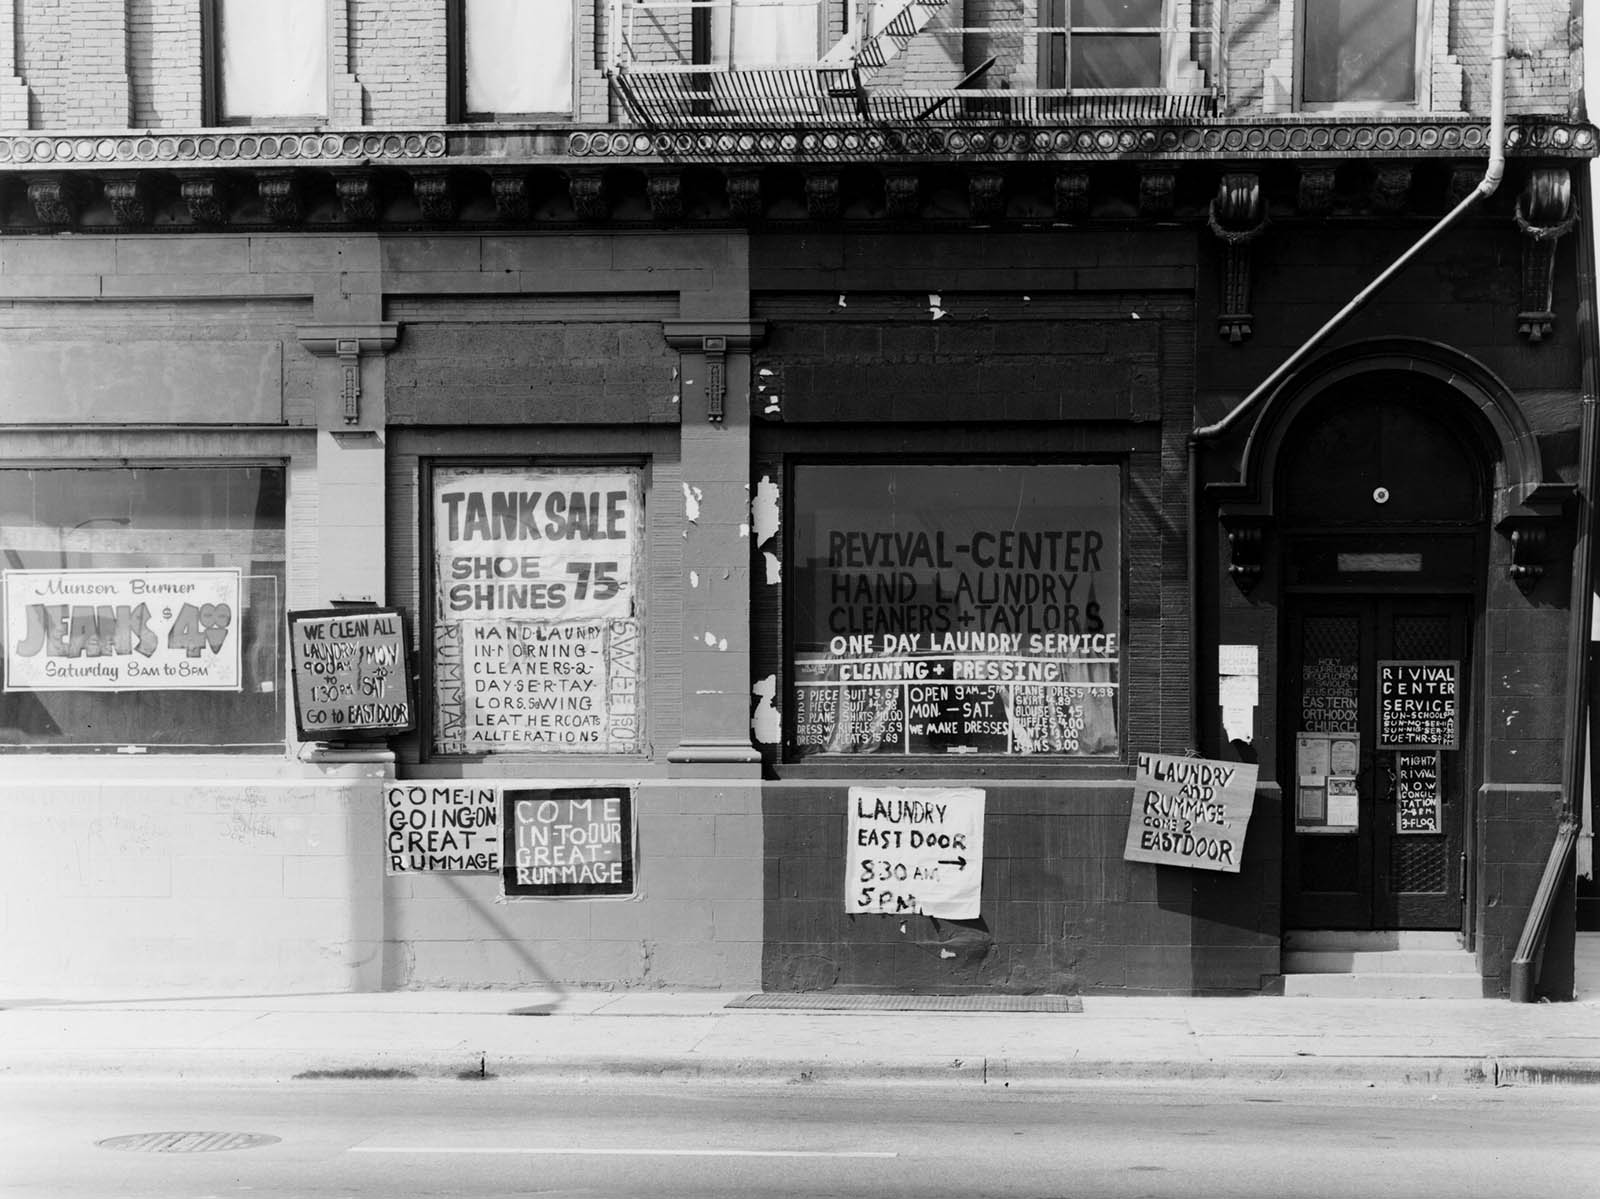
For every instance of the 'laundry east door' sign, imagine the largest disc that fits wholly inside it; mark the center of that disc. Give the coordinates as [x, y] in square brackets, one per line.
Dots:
[915, 850]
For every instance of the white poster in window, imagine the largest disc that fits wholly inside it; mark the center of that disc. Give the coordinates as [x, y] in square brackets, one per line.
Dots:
[122, 630]
[537, 637]
[519, 56]
[914, 850]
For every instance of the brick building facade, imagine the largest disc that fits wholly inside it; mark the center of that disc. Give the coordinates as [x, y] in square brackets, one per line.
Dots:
[910, 444]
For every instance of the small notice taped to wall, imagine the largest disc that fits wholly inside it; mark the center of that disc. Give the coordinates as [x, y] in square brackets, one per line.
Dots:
[1190, 812]
[914, 850]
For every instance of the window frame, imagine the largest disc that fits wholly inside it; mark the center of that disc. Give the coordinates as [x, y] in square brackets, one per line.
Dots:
[212, 84]
[791, 763]
[704, 36]
[512, 761]
[456, 75]
[279, 677]
[1057, 13]
[1422, 59]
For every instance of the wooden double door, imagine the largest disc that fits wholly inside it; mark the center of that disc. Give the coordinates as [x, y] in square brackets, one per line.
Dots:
[1373, 833]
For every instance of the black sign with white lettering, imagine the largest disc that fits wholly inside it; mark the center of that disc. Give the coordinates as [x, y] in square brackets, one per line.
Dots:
[568, 841]
[1418, 705]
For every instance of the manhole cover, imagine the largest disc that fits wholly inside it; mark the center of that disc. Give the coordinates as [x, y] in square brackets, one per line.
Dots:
[187, 1142]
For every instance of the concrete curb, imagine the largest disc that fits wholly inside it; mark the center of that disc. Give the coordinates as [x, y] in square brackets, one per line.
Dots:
[1004, 1073]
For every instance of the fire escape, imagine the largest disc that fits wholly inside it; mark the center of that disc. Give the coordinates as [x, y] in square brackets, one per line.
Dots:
[680, 64]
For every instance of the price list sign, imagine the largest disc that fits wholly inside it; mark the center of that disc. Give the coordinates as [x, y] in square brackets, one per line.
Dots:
[351, 674]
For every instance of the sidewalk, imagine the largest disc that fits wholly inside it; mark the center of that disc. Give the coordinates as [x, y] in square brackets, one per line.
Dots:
[680, 1035]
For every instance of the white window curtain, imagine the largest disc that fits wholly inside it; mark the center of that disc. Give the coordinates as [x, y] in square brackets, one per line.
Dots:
[274, 58]
[765, 33]
[518, 56]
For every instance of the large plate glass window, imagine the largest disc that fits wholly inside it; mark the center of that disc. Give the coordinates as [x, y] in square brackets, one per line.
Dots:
[955, 609]
[142, 608]
[536, 609]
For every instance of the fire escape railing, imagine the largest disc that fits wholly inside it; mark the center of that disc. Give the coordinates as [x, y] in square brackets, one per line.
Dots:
[679, 63]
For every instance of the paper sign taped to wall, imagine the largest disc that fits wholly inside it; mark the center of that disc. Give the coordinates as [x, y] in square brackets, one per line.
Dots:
[1190, 812]
[914, 850]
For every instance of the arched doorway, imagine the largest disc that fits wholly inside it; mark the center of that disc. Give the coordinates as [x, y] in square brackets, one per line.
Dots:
[1381, 495]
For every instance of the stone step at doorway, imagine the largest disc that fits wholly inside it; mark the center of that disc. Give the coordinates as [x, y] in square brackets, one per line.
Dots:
[1337, 963]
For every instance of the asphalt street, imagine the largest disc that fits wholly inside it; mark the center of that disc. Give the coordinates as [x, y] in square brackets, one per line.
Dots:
[412, 1138]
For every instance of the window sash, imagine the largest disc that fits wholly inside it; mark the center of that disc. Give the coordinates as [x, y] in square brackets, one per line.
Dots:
[517, 57]
[272, 60]
[1362, 53]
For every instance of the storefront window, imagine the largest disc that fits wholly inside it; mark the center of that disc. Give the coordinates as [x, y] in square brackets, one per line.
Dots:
[536, 613]
[141, 608]
[956, 610]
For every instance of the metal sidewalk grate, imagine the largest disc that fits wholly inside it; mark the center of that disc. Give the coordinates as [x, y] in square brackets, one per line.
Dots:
[187, 1142]
[830, 1001]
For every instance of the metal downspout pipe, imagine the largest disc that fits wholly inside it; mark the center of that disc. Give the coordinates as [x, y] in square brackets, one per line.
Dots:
[1487, 186]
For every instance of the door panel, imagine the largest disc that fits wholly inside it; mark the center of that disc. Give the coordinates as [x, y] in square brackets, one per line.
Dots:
[1372, 876]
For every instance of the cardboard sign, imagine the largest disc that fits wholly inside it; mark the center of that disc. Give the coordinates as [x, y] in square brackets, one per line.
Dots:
[1190, 812]
[914, 850]
[351, 673]
[568, 841]
[1417, 795]
[122, 630]
[441, 827]
[1418, 705]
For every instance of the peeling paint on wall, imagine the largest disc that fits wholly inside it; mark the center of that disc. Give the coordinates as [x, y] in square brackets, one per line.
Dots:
[765, 723]
[694, 578]
[691, 502]
[764, 510]
[714, 642]
[774, 568]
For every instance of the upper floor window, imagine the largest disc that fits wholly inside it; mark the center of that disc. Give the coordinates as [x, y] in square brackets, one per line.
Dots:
[1361, 52]
[516, 58]
[765, 33]
[1101, 44]
[270, 60]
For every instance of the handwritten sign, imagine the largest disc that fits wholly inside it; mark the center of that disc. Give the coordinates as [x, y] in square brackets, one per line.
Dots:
[1190, 812]
[122, 630]
[441, 827]
[1417, 794]
[914, 850]
[351, 673]
[1418, 705]
[537, 622]
[568, 841]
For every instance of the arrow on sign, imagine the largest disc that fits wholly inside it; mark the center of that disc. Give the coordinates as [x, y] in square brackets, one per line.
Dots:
[959, 863]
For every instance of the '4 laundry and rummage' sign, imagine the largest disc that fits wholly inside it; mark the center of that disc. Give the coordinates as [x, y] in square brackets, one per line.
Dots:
[1190, 812]
[914, 850]
[957, 610]
[536, 610]
[122, 630]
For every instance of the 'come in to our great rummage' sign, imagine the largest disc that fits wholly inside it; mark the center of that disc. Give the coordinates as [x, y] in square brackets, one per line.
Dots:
[536, 610]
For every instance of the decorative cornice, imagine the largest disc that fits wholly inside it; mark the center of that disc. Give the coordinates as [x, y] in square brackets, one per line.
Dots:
[499, 146]
[1297, 139]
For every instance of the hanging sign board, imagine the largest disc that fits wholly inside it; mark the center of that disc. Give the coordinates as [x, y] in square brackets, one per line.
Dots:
[914, 850]
[568, 842]
[122, 630]
[1417, 794]
[440, 827]
[351, 673]
[1190, 812]
[1418, 705]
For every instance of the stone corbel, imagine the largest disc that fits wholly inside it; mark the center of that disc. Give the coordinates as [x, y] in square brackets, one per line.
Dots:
[1236, 217]
[1246, 539]
[714, 340]
[56, 199]
[129, 197]
[347, 343]
[1545, 213]
[1531, 529]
